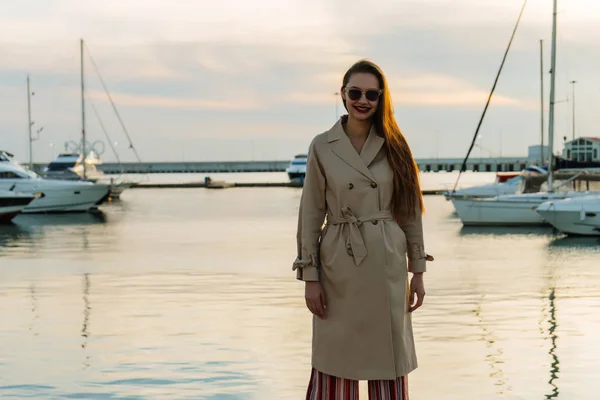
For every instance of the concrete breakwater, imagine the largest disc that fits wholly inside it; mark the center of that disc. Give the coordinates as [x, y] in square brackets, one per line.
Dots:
[425, 165]
[226, 185]
[194, 167]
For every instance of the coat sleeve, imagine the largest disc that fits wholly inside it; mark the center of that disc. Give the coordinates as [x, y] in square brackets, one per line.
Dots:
[311, 216]
[413, 229]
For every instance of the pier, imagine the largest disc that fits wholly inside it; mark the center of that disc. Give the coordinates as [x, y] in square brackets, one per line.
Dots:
[225, 185]
[475, 164]
[182, 167]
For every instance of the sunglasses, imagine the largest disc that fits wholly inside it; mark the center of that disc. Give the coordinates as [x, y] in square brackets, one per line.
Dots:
[371, 94]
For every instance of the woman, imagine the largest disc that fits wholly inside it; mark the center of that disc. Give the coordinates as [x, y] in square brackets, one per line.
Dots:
[361, 177]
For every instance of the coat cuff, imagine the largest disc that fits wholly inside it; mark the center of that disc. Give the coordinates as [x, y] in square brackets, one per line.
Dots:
[308, 274]
[306, 269]
[417, 258]
[416, 266]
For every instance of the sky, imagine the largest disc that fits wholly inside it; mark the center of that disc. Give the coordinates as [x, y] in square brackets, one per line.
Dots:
[199, 80]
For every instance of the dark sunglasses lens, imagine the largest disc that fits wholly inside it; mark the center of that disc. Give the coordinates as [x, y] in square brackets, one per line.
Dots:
[354, 94]
[372, 95]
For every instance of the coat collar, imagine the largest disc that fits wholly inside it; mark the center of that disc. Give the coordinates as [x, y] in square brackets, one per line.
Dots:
[343, 148]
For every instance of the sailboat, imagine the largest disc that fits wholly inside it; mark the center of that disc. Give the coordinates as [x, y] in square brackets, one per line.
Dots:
[80, 163]
[519, 209]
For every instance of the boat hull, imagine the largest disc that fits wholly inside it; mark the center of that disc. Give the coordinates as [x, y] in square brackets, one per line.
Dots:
[511, 210]
[573, 218]
[56, 202]
[487, 212]
[13, 205]
[6, 216]
[61, 197]
[294, 176]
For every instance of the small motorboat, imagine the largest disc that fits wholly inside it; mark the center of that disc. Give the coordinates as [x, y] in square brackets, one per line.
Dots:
[573, 216]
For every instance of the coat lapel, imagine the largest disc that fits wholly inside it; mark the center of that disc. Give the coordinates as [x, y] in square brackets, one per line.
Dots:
[343, 148]
[371, 147]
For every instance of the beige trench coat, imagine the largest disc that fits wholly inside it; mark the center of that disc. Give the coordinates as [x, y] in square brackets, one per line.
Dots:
[360, 258]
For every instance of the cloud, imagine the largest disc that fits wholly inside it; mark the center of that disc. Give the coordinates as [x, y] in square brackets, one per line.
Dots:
[437, 90]
[311, 98]
[134, 22]
[427, 90]
[131, 100]
[268, 69]
[466, 99]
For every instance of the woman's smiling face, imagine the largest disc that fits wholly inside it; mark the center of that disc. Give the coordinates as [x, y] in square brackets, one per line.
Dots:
[362, 95]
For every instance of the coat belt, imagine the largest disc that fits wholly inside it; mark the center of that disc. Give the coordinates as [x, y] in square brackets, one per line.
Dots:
[355, 243]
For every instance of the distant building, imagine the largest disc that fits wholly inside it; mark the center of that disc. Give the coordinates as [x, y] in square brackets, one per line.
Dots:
[582, 149]
[534, 155]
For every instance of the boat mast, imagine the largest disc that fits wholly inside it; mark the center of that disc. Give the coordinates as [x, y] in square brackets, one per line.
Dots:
[82, 109]
[29, 124]
[542, 98]
[487, 104]
[552, 95]
[573, 83]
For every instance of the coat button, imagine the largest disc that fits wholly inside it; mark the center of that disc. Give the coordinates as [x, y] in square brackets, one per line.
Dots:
[373, 185]
[375, 222]
[350, 186]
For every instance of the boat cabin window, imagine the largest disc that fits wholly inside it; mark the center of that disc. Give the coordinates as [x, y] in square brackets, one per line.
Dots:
[9, 175]
[61, 165]
[531, 185]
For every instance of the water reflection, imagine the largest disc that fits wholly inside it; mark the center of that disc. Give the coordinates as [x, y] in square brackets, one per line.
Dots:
[14, 236]
[584, 242]
[554, 366]
[552, 325]
[495, 356]
[34, 312]
[33, 232]
[505, 231]
[29, 221]
[86, 317]
[194, 302]
[25, 225]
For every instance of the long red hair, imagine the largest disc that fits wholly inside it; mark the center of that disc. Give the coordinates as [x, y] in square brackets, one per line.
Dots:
[407, 197]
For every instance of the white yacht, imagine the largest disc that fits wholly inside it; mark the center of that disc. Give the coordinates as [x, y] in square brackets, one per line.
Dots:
[573, 216]
[69, 166]
[11, 204]
[53, 195]
[520, 209]
[297, 168]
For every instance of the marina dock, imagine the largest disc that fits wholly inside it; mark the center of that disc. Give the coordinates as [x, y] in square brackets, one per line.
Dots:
[226, 185]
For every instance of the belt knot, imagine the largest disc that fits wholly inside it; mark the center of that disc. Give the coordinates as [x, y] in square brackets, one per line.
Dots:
[355, 243]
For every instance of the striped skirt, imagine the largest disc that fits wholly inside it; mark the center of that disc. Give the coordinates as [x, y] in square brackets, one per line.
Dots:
[327, 387]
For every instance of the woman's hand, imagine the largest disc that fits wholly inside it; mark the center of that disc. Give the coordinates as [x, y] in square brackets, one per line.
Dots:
[417, 287]
[315, 298]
